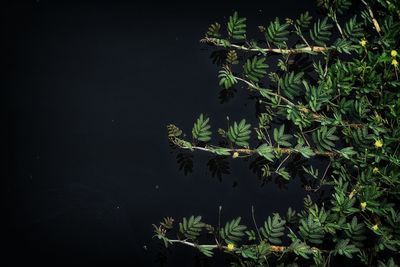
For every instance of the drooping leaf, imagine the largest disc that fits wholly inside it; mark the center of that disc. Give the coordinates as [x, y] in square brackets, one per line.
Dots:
[233, 231]
[239, 133]
[255, 69]
[237, 27]
[201, 129]
[273, 229]
[191, 227]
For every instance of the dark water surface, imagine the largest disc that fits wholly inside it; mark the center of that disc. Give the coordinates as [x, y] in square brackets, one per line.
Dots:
[91, 86]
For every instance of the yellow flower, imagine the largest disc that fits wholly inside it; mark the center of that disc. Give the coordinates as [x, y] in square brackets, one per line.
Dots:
[393, 53]
[375, 170]
[378, 143]
[235, 155]
[375, 227]
[395, 62]
[363, 42]
[230, 247]
[363, 205]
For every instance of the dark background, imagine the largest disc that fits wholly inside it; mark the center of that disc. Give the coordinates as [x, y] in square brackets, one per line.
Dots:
[88, 88]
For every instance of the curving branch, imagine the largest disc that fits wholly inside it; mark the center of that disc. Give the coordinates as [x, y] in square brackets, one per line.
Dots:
[308, 49]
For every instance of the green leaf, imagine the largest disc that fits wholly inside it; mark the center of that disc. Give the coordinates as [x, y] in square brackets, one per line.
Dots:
[390, 263]
[277, 33]
[311, 230]
[191, 228]
[356, 232]
[237, 27]
[305, 151]
[300, 248]
[222, 151]
[266, 151]
[344, 248]
[233, 231]
[316, 96]
[290, 84]
[343, 46]
[232, 57]
[255, 69]
[324, 138]
[239, 133]
[353, 30]
[283, 173]
[273, 229]
[201, 128]
[304, 20]
[321, 31]
[347, 152]
[281, 138]
[207, 250]
[226, 78]
[213, 30]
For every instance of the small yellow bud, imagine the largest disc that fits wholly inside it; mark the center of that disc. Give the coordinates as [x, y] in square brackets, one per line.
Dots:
[230, 247]
[395, 62]
[363, 42]
[363, 205]
[352, 193]
[378, 143]
[375, 227]
[375, 170]
[235, 155]
[393, 53]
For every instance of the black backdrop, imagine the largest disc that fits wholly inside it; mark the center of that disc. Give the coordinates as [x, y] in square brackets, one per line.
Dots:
[88, 88]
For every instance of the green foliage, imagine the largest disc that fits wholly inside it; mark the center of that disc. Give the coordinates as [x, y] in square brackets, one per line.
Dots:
[273, 229]
[239, 133]
[206, 250]
[213, 30]
[226, 78]
[317, 97]
[300, 248]
[237, 27]
[324, 138]
[233, 231]
[328, 112]
[305, 151]
[232, 58]
[343, 46]
[290, 84]
[389, 263]
[277, 33]
[304, 21]
[353, 30]
[311, 231]
[201, 130]
[344, 248]
[255, 68]
[266, 151]
[356, 232]
[280, 137]
[282, 172]
[321, 32]
[191, 228]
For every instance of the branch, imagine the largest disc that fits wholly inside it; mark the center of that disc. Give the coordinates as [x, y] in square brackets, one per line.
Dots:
[301, 108]
[249, 151]
[268, 92]
[374, 21]
[309, 49]
[272, 248]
